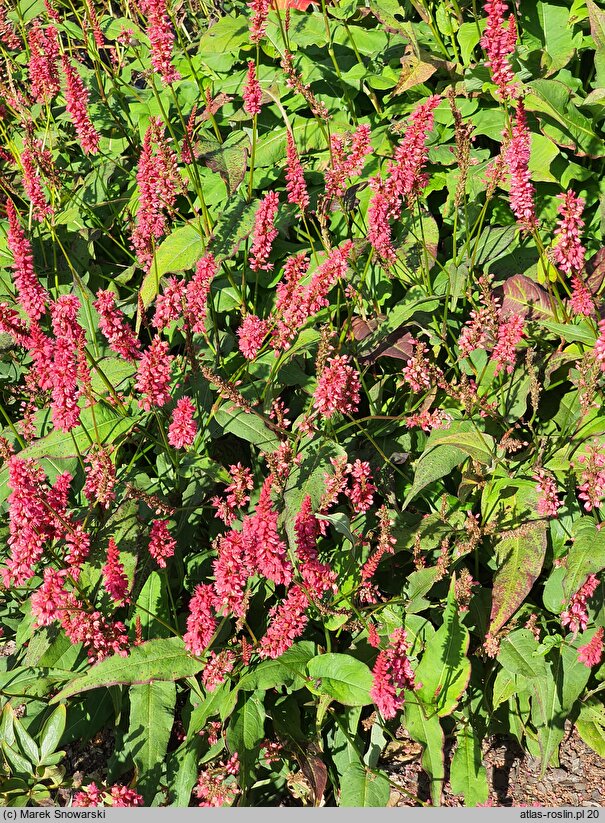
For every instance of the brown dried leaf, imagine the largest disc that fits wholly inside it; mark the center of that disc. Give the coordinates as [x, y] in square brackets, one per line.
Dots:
[414, 71]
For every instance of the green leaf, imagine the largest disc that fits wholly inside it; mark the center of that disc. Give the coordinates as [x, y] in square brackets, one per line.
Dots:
[591, 725]
[247, 425]
[154, 660]
[519, 655]
[423, 726]
[505, 686]
[546, 28]
[493, 242]
[342, 677]
[26, 743]
[151, 720]
[586, 555]
[183, 771]
[564, 123]
[246, 732]
[225, 36]
[31, 682]
[60, 445]
[445, 669]
[553, 700]
[235, 224]
[519, 556]
[289, 669]
[16, 761]
[271, 148]
[571, 332]
[52, 731]
[468, 776]
[360, 787]
[476, 444]
[152, 602]
[213, 704]
[439, 458]
[180, 251]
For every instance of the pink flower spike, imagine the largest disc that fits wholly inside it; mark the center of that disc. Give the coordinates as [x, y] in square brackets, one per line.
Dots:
[337, 388]
[258, 24]
[516, 155]
[392, 673]
[510, 333]
[592, 653]
[252, 333]
[548, 503]
[295, 179]
[581, 301]
[499, 40]
[201, 623]
[153, 376]
[183, 428]
[252, 93]
[76, 101]
[32, 295]
[569, 251]
[264, 232]
[286, 622]
[575, 616]
[43, 62]
[161, 38]
[161, 543]
[114, 577]
[114, 326]
[198, 290]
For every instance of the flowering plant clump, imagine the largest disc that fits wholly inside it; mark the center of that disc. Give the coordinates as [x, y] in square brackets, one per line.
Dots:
[302, 359]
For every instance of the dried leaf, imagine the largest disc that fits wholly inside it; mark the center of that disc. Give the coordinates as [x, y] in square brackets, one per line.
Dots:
[414, 71]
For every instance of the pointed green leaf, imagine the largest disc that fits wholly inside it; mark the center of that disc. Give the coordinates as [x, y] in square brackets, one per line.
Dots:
[360, 787]
[162, 659]
[423, 726]
[180, 251]
[245, 733]
[52, 731]
[591, 725]
[342, 677]
[468, 776]
[586, 555]
[289, 669]
[519, 655]
[151, 721]
[445, 669]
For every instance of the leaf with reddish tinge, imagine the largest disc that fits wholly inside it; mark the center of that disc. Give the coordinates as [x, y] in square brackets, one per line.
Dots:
[229, 159]
[313, 768]
[521, 296]
[398, 344]
[520, 556]
[595, 272]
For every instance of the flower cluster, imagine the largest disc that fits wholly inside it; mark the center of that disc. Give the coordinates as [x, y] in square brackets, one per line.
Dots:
[575, 616]
[392, 673]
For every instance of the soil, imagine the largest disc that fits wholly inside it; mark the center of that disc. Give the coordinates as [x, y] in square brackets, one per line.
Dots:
[513, 776]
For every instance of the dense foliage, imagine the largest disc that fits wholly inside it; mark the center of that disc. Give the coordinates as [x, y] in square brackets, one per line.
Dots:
[302, 370]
